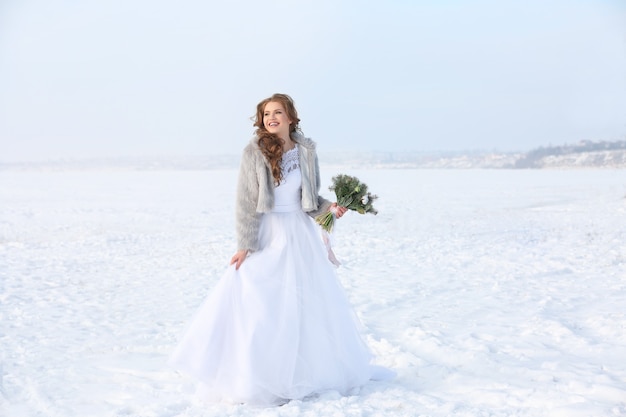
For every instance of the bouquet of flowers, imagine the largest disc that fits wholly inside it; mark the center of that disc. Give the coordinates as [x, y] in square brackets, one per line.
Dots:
[352, 194]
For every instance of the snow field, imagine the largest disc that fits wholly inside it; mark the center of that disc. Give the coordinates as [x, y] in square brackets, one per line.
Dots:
[491, 293]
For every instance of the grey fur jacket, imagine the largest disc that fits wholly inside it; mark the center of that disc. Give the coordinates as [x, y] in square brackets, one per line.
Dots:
[255, 189]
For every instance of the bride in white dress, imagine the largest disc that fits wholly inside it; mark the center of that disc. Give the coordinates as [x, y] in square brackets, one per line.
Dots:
[278, 325]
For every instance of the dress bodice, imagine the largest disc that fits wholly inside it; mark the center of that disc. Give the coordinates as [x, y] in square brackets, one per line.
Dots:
[287, 194]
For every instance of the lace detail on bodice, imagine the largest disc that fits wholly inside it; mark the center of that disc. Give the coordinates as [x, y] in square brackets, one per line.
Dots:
[290, 161]
[287, 194]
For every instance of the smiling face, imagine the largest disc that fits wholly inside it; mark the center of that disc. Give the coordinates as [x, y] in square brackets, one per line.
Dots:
[275, 119]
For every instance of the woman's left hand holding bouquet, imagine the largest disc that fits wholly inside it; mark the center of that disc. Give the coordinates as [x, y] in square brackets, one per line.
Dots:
[337, 210]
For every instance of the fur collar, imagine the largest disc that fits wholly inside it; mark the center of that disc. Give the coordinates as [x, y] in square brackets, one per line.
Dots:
[301, 140]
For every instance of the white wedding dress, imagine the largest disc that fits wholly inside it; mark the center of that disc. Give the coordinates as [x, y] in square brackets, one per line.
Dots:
[280, 327]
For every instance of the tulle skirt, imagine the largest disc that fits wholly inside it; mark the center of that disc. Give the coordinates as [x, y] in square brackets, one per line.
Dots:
[280, 327]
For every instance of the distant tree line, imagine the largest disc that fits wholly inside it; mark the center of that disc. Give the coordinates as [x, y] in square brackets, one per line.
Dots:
[533, 158]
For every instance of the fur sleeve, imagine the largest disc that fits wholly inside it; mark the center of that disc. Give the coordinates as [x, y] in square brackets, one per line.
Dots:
[247, 218]
[322, 204]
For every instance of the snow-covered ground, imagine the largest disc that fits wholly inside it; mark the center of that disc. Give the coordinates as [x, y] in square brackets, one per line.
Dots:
[491, 293]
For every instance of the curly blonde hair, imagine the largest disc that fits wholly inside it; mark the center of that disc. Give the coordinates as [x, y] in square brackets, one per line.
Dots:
[270, 144]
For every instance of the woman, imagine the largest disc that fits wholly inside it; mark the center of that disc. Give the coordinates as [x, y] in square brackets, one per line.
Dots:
[278, 325]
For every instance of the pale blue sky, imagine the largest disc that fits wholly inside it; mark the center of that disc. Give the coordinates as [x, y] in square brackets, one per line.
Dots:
[143, 77]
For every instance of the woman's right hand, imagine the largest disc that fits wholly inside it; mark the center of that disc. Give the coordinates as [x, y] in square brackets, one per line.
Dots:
[238, 258]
